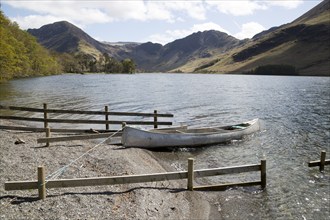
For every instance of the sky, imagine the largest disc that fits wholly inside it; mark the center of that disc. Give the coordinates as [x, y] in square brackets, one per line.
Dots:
[158, 21]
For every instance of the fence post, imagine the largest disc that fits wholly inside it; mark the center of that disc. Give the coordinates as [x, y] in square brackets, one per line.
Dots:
[155, 119]
[322, 162]
[106, 109]
[190, 184]
[47, 135]
[263, 173]
[123, 125]
[45, 116]
[41, 183]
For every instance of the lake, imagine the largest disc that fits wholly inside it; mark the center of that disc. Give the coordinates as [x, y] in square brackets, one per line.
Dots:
[294, 111]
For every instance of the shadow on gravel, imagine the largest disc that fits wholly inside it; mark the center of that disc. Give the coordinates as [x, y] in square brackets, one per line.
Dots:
[17, 200]
[171, 190]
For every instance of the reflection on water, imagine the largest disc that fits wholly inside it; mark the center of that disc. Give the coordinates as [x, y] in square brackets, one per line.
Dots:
[295, 112]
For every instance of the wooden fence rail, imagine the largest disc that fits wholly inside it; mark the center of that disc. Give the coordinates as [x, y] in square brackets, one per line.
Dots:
[46, 120]
[77, 121]
[41, 184]
[62, 111]
[321, 163]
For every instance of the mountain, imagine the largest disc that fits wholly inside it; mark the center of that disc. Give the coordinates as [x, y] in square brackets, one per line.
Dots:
[303, 44]
[155, 57]
[63, 37]
[195, 46]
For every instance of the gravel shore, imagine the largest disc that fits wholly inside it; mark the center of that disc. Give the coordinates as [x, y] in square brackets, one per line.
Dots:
[158, 200]
[155, 200]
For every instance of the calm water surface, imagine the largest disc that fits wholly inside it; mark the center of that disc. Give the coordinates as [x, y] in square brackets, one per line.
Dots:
[294, 110]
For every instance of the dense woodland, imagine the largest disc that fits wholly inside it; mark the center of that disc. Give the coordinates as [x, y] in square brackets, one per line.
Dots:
[22, 56]
[85, 63]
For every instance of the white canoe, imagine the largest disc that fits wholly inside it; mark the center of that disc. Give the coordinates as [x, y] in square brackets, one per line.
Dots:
[184, 137]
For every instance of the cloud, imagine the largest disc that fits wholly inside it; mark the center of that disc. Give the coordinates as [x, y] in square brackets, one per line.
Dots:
[248, 30]
[35, 21]
[237, 8]
[288, 4]
[171, 35]
[248, 7]
[84, 13]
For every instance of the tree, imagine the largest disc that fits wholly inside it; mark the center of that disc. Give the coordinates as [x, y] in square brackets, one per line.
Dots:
[21, 55]
[128, 66]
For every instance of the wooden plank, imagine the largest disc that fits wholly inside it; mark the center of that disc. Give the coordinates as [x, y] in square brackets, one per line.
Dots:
[21, 185]
[77, 121]
[21, 108]
[117, 180]
[60, 130]
[76, 137]
[226, 170]
[84, 112]
[225, 186]
[17, 128]
[81, 182]
[21, 118]
[318, 163]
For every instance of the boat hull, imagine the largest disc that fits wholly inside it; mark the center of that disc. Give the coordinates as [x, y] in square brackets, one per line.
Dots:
[133, 137]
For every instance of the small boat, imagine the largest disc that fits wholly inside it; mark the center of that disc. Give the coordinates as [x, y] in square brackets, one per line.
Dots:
[184, 137]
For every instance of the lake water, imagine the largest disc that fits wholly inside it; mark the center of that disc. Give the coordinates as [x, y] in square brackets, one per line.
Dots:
[294, 111]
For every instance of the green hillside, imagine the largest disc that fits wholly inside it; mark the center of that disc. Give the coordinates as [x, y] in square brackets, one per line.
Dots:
[21, 55]
[303, 44]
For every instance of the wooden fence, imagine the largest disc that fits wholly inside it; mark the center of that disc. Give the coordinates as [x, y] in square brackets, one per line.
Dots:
[321, 163]
[46, 120]
[41, 184]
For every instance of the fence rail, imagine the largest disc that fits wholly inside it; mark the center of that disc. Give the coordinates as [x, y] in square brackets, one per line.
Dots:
[78, 121]
[106, 113]
[62, 111]
[41, 184]
[60, 130]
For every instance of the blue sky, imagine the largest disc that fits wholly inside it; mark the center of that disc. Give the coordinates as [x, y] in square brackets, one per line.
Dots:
[158, 21]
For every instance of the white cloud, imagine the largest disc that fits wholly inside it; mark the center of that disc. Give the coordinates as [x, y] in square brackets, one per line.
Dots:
[171, 35]
[35, 21]
[248, 30]
[237, 8]
[248, 7]
[289, 4]
[92, 12]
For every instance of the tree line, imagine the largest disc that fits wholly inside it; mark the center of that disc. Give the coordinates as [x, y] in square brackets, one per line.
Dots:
[86, 63]
[21, 56]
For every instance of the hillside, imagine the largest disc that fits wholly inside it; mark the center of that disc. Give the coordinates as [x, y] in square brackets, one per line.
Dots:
[303, 44]
[21, 55]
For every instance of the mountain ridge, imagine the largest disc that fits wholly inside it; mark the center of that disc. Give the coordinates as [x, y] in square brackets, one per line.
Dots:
[211, 51]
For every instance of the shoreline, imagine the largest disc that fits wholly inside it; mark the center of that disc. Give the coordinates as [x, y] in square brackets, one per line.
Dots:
[158, 200]
[153, 200]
